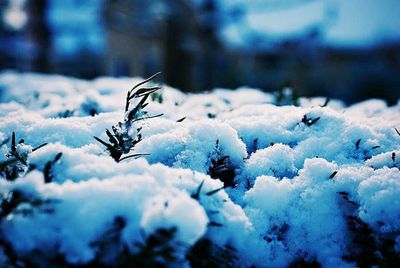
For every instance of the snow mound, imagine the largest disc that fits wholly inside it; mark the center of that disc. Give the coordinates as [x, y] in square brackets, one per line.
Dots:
[228, 178]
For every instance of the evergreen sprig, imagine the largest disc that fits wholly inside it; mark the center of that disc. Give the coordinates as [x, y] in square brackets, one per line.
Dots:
[121, 141]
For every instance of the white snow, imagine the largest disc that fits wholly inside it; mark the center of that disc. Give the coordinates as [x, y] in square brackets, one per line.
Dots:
[299, 183]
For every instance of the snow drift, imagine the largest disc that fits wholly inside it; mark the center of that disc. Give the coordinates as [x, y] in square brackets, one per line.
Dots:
[228, 178]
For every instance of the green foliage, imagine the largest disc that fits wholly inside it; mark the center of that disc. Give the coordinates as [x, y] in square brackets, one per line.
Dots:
[181, 119]
[156, 250]
[277, 233]
[19, 203]
[17, 162]
[221, 168]
[48, 168]
[364, 153]
[121, 140]
[11, 201]
[254, 147]
[90, 107]
[211, 115]
[157, 97]
[215, 191]
[327, 100]
[196, 195]
[367, 248]
[333, 174]
[67, 113]
[309, 121]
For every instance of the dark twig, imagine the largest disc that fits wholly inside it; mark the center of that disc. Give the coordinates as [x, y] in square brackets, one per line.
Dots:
[180, 120]
[132, 155]
[196, 195]
[215, 191]
[327, 100]
[120, 139]
[358, 144]
[333, 175]
[38, 147]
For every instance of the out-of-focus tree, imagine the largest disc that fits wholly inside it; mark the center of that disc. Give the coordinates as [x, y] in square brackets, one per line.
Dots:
[25, 35]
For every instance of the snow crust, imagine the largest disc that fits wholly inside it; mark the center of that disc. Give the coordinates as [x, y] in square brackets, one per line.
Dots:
[297, 185]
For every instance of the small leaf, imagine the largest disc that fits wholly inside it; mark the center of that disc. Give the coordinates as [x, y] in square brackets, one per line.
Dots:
[398, 132]
[128, 98]
[309, 122]
[58, 156]
[313, 121]
[48, 177]
[132, 155]
[102, 142]
[145, 81]
[215, 191]
[327, 100]
[215, 224]
[38, 147]
[112, 139]
[196, 195]
[146, 91]
[304, 119]
[4, 164]
[180, 120]
[4, 142]
[333, 175]
[13, 146]
[358, 144]
[148, 117]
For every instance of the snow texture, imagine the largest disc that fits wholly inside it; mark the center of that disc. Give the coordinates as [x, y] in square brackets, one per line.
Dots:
[308, 182]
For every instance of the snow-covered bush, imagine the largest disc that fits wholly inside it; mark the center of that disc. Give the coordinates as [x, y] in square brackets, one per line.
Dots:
[226, 179]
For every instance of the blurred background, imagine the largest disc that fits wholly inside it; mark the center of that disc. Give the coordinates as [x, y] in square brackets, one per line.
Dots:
[348, 49]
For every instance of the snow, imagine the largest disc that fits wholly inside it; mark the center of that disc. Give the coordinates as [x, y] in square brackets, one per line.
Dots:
[276, 160]
[300, 189]
[192, 145]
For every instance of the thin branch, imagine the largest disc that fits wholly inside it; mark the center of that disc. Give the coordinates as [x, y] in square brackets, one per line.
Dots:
[333, 175]
[13, 146]
[148, 117]
[5, 141]
[215, 191]
[132, 155]
[38, 147]
[146, 90]
[326, 102]
[102, 142]
[180, 120]
[145, 81]
[196, 195]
